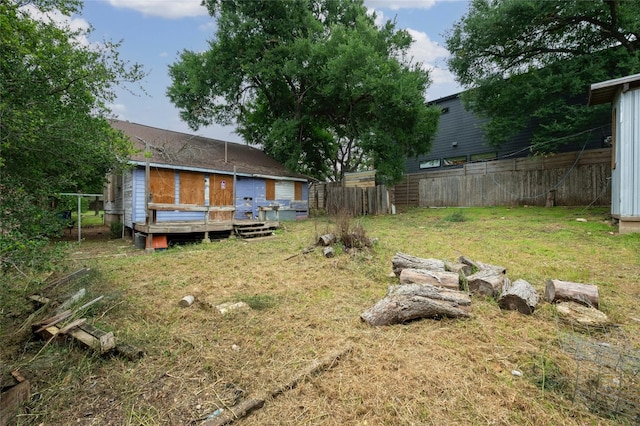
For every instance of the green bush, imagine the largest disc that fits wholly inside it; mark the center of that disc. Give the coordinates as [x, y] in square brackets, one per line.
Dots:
[116, 230]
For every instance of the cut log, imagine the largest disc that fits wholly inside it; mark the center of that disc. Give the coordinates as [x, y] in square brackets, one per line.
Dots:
[409, 302]
[565, 291]
[458, 268]
[404, 261]
[487, 282]
[328, 252]
[438, 278]
[479, 266]
[186, 301]
[580, 315]
[519, 296]
[326, 240]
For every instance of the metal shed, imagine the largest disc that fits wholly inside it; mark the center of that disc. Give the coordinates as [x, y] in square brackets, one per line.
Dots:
[624, 95]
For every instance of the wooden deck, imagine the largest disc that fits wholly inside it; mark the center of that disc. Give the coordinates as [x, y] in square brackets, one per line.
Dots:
[244, 228]
[188, 227]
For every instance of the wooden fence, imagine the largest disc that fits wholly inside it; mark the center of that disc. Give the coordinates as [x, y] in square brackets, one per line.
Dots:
[568, 179]
[335, 199]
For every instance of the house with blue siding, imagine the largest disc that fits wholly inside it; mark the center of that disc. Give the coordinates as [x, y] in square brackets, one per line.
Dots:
[186, 184]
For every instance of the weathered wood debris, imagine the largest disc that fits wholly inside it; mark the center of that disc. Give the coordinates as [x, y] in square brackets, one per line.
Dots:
[435, 288]
[66, 323]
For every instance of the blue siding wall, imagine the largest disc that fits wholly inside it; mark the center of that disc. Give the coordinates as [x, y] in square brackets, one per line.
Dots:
[245, 197]
[250, 195]
[138, 196]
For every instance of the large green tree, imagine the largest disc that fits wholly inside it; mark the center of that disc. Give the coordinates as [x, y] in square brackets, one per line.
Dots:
[54, 135]
[532, 62]
[314, 82]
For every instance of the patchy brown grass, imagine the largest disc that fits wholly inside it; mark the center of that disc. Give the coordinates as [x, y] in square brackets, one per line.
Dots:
[424, 372]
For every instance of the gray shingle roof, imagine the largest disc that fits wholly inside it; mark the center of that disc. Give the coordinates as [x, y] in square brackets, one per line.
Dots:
[190, 151]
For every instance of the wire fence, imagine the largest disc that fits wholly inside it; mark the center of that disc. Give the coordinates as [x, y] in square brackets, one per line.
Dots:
[607, 376]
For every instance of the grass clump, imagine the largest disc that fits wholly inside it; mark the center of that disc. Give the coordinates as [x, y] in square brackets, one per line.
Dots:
[456, 217]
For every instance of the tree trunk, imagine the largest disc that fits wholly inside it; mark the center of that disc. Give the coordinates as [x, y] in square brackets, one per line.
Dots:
[404, 261]
[437, 278]
[567, 291]
[487, 282]
[414, 301]
[519, 296]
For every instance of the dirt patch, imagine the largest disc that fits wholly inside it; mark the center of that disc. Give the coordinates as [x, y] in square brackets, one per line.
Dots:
[91, 233]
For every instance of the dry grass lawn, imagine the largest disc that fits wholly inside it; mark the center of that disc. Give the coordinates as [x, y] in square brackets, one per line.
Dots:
[427, 372]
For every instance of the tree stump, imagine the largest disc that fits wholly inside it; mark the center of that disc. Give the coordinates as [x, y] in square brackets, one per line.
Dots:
[487, 282]
[519, 296]
[409, 302]
[404, 261]
[567, 291]
[437, 278]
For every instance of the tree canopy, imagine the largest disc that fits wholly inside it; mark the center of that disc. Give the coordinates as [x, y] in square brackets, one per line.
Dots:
[533, 62]
[54, 135]
[315, 83]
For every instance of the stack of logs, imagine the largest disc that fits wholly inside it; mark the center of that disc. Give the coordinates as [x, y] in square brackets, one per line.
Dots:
[434, 288]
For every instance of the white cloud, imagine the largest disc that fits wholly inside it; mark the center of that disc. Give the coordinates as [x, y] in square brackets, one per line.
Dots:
[75, 24]
[400, 4]
[118, 110]
[172, 9]
[426, 50]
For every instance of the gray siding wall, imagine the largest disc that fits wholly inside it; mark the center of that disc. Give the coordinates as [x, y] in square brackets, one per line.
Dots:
[464, 129]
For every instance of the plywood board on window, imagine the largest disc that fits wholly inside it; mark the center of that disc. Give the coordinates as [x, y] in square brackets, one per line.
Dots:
[162, 184]
[271, 189]
[192, 188]
[298, 191]
[221, 194]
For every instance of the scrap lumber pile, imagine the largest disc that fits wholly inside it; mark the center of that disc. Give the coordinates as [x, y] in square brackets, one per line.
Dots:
[435, 288]
[68, 323]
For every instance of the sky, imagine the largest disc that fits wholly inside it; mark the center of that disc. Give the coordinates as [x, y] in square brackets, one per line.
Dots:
[154, 32]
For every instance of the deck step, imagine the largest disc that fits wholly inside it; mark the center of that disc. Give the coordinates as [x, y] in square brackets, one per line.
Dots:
[254, 229]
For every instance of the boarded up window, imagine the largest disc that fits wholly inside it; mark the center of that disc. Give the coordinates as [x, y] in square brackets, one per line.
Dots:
[285, 190]
[191, 188]
[221, 194]
[271, 189]
[162, 184]
[298, 195]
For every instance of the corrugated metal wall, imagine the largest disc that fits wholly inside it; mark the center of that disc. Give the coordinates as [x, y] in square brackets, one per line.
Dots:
[626, 175]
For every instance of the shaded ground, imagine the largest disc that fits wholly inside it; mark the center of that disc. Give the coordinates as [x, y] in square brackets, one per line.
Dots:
[95, 232]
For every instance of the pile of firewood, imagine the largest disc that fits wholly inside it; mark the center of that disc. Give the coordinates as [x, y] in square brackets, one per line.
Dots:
[434, 288]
